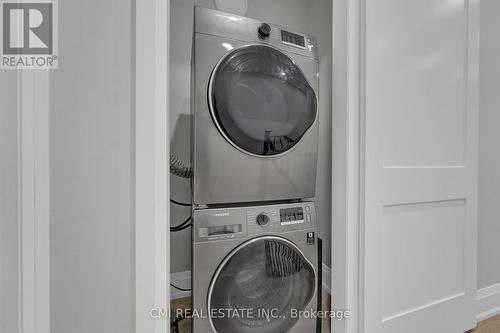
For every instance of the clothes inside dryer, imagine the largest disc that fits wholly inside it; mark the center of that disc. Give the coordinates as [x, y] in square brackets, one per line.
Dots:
[260, 100]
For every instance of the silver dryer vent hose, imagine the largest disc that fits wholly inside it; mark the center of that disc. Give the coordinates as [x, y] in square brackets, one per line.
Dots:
[180, 168]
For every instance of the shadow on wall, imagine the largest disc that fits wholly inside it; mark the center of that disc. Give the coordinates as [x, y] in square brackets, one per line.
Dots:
[180, 142]
[180, 190]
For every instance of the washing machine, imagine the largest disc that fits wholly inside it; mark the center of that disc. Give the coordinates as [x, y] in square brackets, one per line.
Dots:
[254, 110]
[255, 269]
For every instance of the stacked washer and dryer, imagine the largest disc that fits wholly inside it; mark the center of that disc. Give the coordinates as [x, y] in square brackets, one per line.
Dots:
[254, 155]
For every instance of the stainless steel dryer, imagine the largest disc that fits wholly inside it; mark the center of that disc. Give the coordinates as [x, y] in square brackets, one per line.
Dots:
[254, 103]
[254, 269]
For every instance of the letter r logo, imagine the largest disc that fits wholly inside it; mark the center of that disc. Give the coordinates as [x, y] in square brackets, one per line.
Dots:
[27, 27]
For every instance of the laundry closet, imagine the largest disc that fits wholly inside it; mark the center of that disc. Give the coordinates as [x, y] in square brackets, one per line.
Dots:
[275, 178]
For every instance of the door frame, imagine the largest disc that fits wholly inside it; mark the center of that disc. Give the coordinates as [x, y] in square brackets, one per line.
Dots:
[33, 147]
[150, 87]
[347, 160]
[153, 76]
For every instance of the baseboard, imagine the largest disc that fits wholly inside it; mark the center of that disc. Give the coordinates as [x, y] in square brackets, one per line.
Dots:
[183, 280]
[488, 302]
[327, 278]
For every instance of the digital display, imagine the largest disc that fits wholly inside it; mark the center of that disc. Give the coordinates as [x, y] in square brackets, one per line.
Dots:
[293, 39]
[291, 215]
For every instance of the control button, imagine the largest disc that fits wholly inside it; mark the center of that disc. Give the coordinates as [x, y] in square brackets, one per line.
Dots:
[264, 31]
[308, 217]
[262, 219]
[308, 208]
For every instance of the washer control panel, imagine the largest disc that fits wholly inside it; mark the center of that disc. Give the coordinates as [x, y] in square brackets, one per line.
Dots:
[276, 218]
[214, 224]
[293, 215]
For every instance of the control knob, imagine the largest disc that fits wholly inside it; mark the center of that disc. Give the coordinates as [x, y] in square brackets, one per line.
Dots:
[262, 219]
[264, 31]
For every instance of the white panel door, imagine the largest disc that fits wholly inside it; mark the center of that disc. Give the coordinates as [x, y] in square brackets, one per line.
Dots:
[420, 138]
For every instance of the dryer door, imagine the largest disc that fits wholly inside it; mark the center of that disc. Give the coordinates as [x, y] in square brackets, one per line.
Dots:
[258, 284]
[260, 100]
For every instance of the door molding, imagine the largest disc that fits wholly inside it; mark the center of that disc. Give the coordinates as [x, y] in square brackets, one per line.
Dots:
[150, 54]
[34, 205]
[346, 160]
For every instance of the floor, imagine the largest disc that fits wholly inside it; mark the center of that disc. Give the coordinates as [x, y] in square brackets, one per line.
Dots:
[491, 325]
[185, 303]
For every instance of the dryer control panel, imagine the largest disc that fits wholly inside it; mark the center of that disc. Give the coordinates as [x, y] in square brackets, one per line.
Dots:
[293, 39]
[248, 30]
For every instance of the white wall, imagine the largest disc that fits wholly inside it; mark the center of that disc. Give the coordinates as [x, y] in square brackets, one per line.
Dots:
[8, 202]
[91, 143]
[489, 152]
[312, 17]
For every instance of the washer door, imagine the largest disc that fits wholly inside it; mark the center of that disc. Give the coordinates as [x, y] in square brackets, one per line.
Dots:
[260, 100]
[256, 287]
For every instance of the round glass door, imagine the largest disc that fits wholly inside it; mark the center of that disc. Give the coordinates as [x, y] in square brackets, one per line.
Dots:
[260, 100]
[257, 286]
